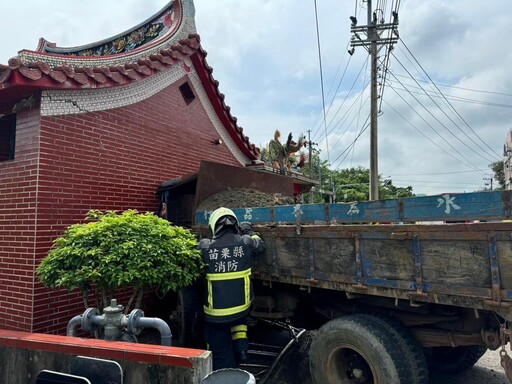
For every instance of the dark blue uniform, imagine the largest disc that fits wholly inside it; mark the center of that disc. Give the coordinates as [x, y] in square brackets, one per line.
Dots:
[228, 293]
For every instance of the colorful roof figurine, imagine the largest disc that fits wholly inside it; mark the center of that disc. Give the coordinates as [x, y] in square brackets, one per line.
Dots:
[164, 46]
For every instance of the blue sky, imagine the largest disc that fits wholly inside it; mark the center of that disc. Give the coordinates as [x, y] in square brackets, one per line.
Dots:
[265, 56]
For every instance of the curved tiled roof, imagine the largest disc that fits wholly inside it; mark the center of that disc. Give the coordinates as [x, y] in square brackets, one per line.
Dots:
[41, 75]
[20, 77]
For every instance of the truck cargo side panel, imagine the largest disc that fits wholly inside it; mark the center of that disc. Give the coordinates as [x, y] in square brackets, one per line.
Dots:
[458, 262]
[504, 251]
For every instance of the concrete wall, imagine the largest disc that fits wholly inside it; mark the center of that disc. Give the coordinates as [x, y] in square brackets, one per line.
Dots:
[23, 355]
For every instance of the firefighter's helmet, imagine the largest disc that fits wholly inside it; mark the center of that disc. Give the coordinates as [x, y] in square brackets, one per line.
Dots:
[220, 219]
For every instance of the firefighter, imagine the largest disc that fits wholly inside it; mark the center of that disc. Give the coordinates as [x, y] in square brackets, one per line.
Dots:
[228, 256]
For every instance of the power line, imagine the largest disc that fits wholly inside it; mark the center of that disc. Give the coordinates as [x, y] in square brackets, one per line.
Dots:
[319, 120]
[345, 98]
[366, 125]
[453, 109]
[431, 127]
[345, 115]
[352, 145]
[439, 121]
[453, 98]
[435, 173]
[321, 78]
[424, 135]
[456, 87]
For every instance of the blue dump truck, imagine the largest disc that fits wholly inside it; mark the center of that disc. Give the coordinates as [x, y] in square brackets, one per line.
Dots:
[393, 288]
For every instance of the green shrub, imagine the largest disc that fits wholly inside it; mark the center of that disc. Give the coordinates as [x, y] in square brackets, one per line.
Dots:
[112, 251]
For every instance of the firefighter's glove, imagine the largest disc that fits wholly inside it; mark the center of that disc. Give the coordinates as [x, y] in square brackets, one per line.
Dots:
[246, 229]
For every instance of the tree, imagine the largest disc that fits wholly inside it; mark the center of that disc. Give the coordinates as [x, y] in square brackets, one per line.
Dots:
[388, 191]
[128, 250]
[318, 169]
[353, 184]
[498, 167]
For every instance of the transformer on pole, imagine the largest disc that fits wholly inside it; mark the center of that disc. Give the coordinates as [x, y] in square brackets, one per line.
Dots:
[372, 41]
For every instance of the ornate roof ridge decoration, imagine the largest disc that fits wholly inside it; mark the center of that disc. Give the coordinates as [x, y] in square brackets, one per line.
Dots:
[156, 28]
[168, 26]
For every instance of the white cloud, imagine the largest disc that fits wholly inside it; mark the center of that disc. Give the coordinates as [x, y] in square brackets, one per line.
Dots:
[265, 56]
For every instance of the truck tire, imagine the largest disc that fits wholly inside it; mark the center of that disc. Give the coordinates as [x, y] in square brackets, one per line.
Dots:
[454, 360]
[412, 352]
[356, 349]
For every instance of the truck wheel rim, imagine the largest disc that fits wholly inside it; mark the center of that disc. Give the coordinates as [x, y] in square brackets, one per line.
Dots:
[348, 365]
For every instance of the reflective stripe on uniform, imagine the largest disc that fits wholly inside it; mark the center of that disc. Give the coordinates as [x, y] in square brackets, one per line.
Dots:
[210, 310]
[238, 335]
[226, 311]
[228, 275]
[239, 332]
[239, 328]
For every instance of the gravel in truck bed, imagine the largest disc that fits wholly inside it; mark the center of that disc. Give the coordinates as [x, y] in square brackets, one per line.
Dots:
[243, 198]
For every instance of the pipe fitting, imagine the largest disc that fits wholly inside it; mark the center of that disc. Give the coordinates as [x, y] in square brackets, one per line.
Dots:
[118, 326]
[73, 325]
[160, 325]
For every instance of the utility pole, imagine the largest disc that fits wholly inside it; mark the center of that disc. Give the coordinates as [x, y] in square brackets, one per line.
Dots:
[373, 39]
[310, 162]
[374, 148]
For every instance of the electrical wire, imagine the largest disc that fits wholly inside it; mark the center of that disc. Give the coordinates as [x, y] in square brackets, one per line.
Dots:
[350, 123]
[321, 78]
[461, 88]
[334, 128]
[435, 131]
[353, 142]
[424, 135]
[316, 131]
[334, 125]
[435, 173]
[451, 97]
[457, 113]
[441, 123]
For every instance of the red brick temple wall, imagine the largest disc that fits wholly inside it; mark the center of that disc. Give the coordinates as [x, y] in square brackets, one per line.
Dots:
[18, 188]
[108, 160]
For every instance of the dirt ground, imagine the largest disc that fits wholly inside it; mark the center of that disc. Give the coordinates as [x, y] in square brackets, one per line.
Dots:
[487, 371]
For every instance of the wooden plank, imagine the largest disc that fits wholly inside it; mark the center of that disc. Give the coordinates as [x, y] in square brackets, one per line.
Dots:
[366, 211]
[492, 205]
[335, 256]
[504, 251]
[387, 259]
[462, 263]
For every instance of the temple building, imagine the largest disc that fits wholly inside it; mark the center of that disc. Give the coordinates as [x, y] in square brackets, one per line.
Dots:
[100, 126]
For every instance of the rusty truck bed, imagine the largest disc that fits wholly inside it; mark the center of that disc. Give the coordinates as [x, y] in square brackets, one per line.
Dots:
[426, 249]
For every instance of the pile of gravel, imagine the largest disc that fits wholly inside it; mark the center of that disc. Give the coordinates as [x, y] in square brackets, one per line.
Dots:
[243, 198]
